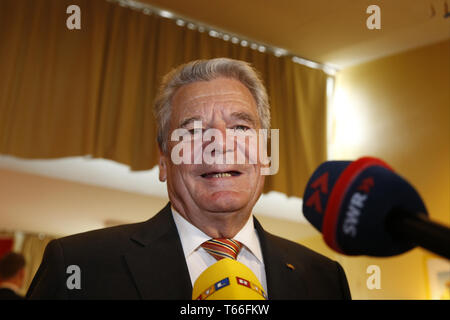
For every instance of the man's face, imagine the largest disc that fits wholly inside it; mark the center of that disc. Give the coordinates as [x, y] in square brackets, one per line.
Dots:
[208, 189]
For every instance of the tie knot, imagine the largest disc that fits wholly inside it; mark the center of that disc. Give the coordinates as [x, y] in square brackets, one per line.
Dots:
[222, 248]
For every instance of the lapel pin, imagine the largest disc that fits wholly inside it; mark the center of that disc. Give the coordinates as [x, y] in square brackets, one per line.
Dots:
[290, 266]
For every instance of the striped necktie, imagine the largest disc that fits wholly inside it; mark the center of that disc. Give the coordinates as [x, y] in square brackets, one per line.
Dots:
[222, 248]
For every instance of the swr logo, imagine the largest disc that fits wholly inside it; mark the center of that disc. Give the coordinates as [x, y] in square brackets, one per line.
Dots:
[356, 206]
[321, 184]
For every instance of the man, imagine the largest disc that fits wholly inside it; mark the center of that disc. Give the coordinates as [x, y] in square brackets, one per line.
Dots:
[162, 257]
[12, 274]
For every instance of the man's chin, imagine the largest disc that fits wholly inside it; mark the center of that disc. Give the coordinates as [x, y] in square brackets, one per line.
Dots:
[225, 201]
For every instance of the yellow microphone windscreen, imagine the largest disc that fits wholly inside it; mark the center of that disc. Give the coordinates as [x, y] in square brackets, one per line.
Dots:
[228, 279]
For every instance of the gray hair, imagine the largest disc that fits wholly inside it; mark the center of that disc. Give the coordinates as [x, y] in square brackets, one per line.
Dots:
[207, 70]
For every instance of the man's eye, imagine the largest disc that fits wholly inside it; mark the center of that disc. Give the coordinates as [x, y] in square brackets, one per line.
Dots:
[196, 131]
[240, 128]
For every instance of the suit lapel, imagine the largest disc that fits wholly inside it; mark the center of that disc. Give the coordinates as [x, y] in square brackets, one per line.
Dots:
[282, 281]
[158, 267]
[156, 260]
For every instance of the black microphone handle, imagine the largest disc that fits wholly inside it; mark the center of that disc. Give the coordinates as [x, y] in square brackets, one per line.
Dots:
[417, 229]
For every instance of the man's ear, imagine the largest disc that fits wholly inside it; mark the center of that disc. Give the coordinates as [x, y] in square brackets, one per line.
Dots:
[162, 164]
[20, 277]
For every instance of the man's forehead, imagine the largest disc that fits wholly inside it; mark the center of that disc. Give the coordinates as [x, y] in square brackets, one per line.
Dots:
[225, 96]
[220, 89]
[212, 101]
[202, 99]
[228, 107]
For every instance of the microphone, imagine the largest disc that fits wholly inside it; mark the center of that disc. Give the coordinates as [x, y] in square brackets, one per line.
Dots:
[364, 208]
[228, 279]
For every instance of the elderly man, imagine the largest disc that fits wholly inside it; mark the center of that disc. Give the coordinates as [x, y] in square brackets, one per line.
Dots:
[210, 204]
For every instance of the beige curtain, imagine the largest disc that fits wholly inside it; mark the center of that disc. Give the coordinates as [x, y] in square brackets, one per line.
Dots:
[33, 248]
[90, 91]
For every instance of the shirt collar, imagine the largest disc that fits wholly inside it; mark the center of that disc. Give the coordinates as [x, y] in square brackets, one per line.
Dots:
[191, 237]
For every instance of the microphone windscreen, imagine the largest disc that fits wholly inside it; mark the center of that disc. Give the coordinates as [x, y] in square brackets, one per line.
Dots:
[349, 202]
[318, 189]
[228, 279]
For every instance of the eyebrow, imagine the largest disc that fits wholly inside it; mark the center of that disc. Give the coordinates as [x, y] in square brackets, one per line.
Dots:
[189, 120]
[245, 117]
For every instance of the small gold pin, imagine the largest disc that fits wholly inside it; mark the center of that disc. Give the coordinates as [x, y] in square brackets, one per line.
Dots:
[290, 266]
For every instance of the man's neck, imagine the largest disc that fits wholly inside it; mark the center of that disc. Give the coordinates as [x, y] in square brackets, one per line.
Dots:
[10, 285]
[226, 227]
[222, 228]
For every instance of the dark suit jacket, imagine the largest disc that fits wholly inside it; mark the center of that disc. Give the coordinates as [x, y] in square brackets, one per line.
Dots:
[146, 261]
[8, 294]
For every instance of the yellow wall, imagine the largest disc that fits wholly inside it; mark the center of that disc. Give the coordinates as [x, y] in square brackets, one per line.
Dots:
[396, 108]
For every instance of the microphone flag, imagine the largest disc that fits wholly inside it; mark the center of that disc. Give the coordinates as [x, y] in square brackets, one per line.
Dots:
[228, 279]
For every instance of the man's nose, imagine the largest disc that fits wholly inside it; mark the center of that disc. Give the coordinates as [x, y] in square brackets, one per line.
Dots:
[217, 134]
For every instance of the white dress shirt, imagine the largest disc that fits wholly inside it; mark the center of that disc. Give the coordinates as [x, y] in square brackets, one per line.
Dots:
[198, 259]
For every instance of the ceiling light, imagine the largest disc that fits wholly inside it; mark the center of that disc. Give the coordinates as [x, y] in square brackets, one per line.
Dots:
[213, 33]
[166, 14]
[279, 52]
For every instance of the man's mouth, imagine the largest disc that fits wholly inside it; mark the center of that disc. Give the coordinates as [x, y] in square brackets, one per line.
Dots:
[226, 174]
